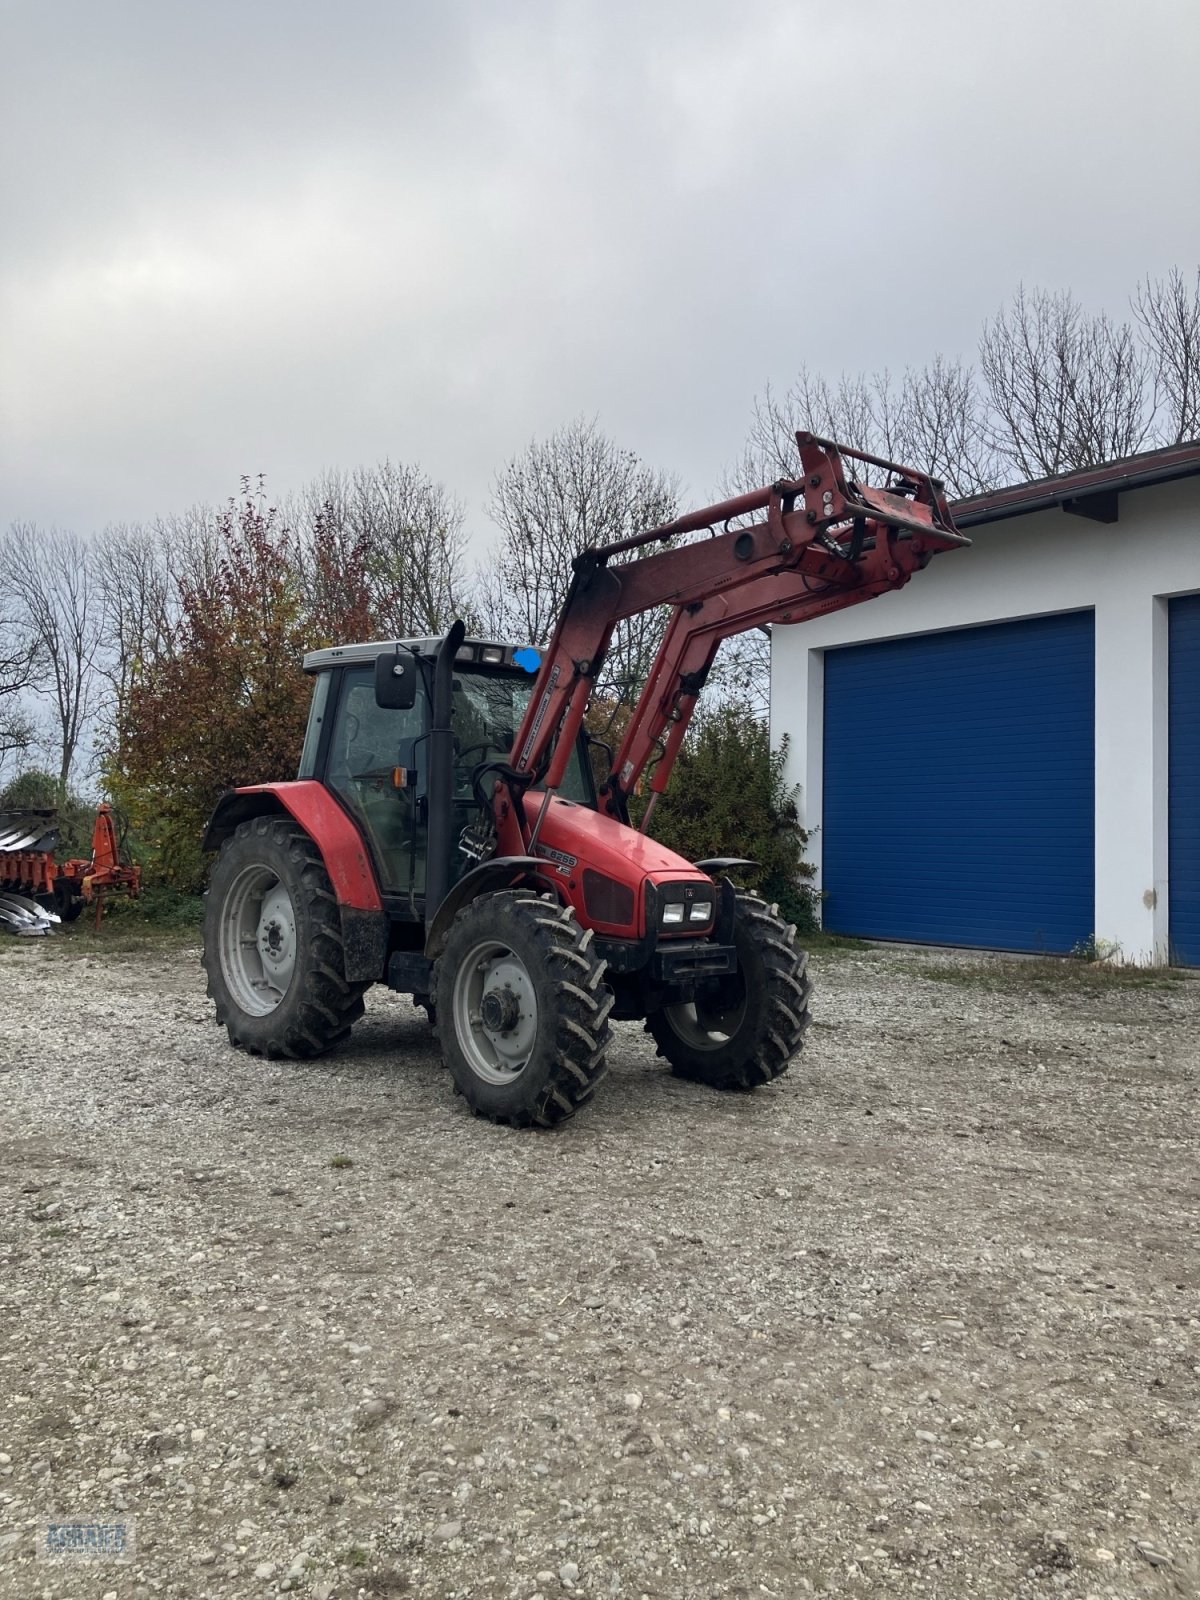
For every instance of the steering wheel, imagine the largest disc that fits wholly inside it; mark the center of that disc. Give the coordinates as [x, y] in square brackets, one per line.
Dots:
[481, 750]
[483, 747]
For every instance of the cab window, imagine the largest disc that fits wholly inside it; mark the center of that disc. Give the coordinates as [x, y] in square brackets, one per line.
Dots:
[368, 743]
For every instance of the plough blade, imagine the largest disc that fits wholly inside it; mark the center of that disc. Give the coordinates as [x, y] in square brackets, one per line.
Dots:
[25, 917]
[35, 831]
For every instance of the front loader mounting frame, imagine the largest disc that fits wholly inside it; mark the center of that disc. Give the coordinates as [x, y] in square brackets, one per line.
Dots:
[822, 541]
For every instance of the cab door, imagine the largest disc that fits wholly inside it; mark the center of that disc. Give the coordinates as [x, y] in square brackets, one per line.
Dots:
[368, 743]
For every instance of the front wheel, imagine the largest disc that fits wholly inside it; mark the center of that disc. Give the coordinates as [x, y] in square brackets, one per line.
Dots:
[522, 1008]
[743, 1030]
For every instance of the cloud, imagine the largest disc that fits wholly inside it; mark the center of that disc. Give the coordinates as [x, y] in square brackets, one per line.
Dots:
[281, 237]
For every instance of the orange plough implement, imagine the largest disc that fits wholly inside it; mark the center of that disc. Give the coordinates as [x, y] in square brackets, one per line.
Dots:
[36, 891]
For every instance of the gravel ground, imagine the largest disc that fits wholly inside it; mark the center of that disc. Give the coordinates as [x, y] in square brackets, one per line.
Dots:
[921, 1318]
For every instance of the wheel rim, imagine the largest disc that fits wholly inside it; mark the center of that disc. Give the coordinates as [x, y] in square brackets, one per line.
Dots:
[495, 1012]
[258, 941]
[706, 1024]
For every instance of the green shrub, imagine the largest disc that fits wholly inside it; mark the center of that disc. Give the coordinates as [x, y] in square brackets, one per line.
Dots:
[156, 907]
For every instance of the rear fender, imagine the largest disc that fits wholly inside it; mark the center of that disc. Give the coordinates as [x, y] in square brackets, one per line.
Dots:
[360, 905]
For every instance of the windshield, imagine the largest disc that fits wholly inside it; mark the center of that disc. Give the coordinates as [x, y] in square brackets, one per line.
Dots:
[486, 713]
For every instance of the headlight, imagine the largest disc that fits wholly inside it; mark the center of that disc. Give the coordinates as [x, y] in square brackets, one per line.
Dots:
[673, 911]
[701, 911]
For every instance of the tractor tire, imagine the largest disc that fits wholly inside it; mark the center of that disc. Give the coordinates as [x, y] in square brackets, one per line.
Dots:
[742, 1031]
[273, 947]
[522, 1009]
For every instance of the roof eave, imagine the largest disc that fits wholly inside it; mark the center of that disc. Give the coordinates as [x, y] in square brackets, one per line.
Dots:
[1043, 494]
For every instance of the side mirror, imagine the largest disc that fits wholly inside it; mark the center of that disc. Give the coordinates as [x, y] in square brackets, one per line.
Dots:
[396, 680]
[600, 775]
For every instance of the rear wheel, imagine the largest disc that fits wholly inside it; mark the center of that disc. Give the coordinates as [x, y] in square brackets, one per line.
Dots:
[522, 1009]
[273, 944]
[743, 1030]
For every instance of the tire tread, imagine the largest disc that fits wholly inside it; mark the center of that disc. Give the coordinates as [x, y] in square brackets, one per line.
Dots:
[329, 1003]
[583, 1001]
[786, 1008]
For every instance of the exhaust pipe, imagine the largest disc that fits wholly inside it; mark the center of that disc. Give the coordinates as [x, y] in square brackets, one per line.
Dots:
[441, 774]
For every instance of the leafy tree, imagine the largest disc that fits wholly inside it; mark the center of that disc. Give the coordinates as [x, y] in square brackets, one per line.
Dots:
[728, 796]
[207, 691]
[227, 703]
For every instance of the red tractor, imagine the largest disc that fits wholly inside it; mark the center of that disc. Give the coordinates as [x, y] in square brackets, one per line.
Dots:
[445, 834]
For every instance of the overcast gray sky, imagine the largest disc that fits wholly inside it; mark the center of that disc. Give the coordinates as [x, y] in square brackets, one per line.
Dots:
[277, 236]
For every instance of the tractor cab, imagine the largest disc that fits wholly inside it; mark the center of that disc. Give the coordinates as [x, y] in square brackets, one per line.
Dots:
[369, 741]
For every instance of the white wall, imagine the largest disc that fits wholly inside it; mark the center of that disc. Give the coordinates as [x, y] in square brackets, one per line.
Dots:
[1024, 567]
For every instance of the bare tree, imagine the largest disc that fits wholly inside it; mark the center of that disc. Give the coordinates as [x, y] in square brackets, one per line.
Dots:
[1065, 389]
[18, 665]
[138, 595]
[940, 427]
[52, 575]
[845, 411]
[404, 530]
[560, 495]
[1169, 314]
[933, 419]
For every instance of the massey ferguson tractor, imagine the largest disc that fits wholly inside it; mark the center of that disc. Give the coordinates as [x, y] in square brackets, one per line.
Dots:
[446, 835]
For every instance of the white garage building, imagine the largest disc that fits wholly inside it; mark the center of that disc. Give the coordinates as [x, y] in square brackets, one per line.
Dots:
[1006, 754]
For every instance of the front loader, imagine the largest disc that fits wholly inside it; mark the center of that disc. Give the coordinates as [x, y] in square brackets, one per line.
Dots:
[446, 836]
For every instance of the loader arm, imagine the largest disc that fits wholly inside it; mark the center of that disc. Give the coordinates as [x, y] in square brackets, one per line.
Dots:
[694, 634]
[824, 542]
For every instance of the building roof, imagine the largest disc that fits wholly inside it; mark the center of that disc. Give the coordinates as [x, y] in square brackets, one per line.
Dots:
[1090, 492]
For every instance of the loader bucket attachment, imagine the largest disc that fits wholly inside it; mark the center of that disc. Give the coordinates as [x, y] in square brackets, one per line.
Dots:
[907, 499]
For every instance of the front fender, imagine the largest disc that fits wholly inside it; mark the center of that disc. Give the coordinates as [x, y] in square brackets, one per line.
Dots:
[500, 873]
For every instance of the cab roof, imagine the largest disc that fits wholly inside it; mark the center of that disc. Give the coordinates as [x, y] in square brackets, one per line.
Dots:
[341, 655]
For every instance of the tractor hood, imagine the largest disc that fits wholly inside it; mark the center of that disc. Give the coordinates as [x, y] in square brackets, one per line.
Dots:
[606, 864]
[578, 834]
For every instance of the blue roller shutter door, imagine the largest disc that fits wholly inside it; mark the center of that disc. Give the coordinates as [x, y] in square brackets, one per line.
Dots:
[960, 786]
[1183, 845]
